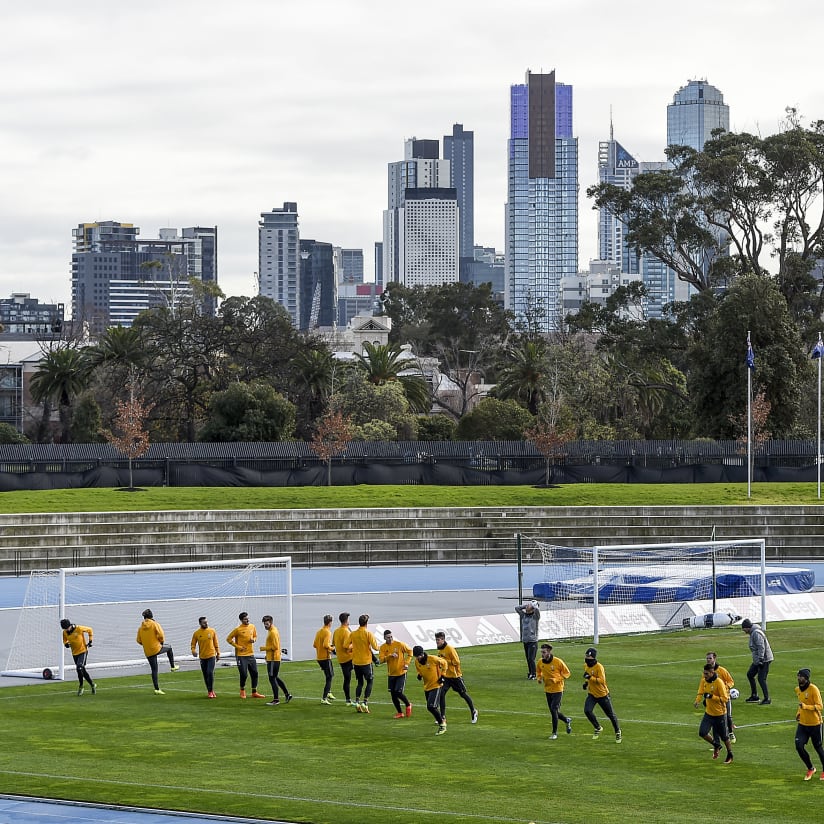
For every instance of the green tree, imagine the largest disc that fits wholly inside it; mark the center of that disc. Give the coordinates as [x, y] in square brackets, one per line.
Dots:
[249, 412]
[523, 377]
[435, 428]
[494, 420]
[386, 364]
[364, 402]
[87, 420]
[8, 434]
[59, 378]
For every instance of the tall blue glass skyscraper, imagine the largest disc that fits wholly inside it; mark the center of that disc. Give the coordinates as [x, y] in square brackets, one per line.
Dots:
[696, 110]
[542, 204]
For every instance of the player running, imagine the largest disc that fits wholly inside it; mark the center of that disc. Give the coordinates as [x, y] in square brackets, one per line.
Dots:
[431, 670]
[595, 683]
[453, 677]
[553, 672]
[396, 655]
[809, 721]
[74, 638]
[715, 695]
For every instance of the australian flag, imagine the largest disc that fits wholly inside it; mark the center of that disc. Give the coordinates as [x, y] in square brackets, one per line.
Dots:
[818, 349]
[750, 355]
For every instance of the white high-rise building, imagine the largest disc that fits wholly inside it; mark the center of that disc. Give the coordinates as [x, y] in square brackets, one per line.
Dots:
[279, 258]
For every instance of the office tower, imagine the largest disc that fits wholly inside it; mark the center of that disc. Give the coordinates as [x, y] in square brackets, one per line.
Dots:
[318, 285]
[459, 150]
[116, 274]
[542, 203]
[379, 263]
[351, 266]
[278, 258]
[423, 237]
[696, 110]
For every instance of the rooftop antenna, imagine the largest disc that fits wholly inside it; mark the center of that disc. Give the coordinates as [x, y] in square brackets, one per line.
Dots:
[611, 134]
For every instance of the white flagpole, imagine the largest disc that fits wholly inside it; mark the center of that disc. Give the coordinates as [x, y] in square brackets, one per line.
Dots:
[749, 423]
[818, 443]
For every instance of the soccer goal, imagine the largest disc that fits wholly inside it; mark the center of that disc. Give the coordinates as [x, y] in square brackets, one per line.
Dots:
[110, 600]
[650, 587]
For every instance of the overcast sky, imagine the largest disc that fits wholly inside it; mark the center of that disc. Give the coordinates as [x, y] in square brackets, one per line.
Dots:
[181, 113]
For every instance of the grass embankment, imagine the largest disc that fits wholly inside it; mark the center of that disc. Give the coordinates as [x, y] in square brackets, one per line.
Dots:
[313, 763]
[357, 497]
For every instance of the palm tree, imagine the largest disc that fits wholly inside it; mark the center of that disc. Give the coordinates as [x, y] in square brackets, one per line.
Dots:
[118, 345]
[316, 369]
[59, 377]
[383, 364]
[524, 376]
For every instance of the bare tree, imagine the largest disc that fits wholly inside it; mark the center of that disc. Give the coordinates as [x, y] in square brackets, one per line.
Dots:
[129, 435]
[332, 434]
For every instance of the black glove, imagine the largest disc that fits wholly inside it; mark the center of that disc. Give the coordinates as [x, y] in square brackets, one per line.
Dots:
[67, 646]
[420, 677]
[587, 675]
[89, 644]
[440, 680]
[584, 686]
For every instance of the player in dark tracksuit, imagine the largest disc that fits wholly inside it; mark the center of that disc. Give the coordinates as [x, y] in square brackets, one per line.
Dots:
[595, 683]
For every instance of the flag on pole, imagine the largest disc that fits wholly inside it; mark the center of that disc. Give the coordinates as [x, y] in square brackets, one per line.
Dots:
[750, 354]
[818, 349]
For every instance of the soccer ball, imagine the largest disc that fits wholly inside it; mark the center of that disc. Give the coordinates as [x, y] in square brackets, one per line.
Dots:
[734, 693]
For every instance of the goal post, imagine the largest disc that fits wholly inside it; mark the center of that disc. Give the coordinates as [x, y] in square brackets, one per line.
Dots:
[649, 587]
[110, 600]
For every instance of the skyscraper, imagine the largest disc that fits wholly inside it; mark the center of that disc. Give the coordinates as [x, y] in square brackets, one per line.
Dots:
[318, 285]
[542, 204]
[459, 150]
[696, 110]
[278, 258]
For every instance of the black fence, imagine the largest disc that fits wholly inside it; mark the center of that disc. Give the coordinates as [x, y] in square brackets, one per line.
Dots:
[56, 466]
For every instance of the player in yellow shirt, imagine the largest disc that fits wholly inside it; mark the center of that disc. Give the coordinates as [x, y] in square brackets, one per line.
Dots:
[724, 675]
[205, 646]
[553, 672]
[809, 721]
[74, 638]
[243, 638]
[324, 650]
[595, 683]
[343, 650]
[273, 657]
[364, 646]
[715, 696]
[431, 670]
[396, 655]
[151, 637]
[453, 679]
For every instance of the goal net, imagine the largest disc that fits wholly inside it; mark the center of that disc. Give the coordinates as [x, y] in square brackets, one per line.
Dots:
[111, 600]
[649, 587]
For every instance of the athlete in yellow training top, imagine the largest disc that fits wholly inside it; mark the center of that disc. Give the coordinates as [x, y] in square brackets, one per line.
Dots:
[595, 683]
[151, 637]
[243, 638]
[453, 678]
[396, 655]
[324, 650]
[204, 645]
[724, 675]
[809, 721]
[364, 646]
[553, 672]
[74, 638]
[343, 649]
[273, 658]
[431, 670]
[715, 696]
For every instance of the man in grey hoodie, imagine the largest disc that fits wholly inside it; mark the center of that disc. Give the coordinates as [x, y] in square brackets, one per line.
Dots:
[762, 656]
[530, 617]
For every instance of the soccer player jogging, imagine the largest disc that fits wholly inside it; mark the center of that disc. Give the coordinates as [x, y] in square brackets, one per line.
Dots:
[431, 670]
[364, 645]
[530, 618]
[323, 653]
[243, 638]
[762, 657]
[809, 721]
[273, 658]
[453, 678]
[205, 647]
[151, 637]
[553, 672]
[724, 674]
[595, 683]
[343, 650]
[714, 723]
[396, 655]
[75, 639]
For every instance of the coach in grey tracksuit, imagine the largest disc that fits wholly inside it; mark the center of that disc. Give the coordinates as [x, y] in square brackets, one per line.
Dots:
[762, 656]
[530, 617]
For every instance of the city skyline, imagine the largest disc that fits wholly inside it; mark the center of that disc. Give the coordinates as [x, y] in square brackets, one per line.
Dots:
[182, 115]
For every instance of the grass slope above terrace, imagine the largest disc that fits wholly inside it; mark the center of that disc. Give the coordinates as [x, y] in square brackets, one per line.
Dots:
[382, 497]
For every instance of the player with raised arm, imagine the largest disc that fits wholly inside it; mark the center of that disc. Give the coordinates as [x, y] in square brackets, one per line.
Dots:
[324, 650]
[151, 637]
[243, 638]
[364, 646]
[714, 723]
[206, 648]
[552, 673]
[75, 638]
[595, 683]
[431, 670]
[453, 677]
[343, 651]
[273, 659]
[396, 655]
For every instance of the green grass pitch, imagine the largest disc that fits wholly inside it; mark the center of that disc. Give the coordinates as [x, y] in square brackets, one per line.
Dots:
[313, 763]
